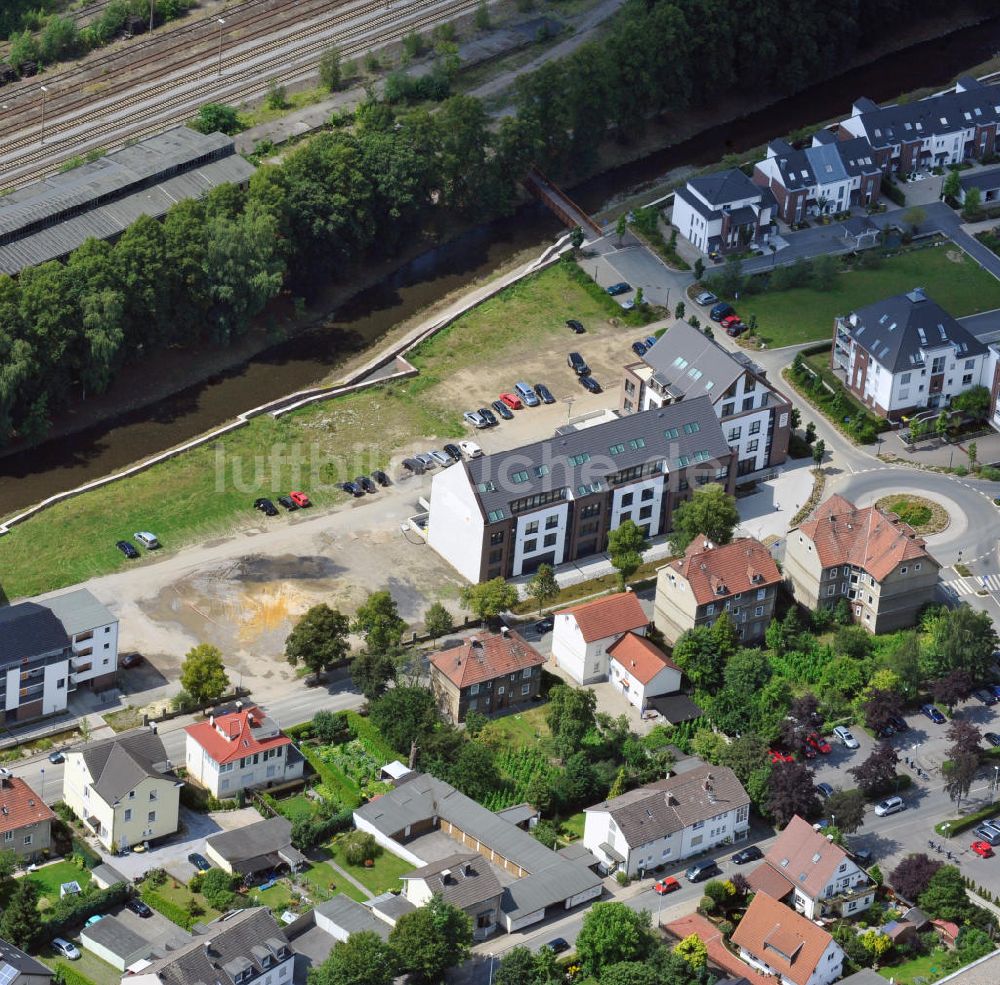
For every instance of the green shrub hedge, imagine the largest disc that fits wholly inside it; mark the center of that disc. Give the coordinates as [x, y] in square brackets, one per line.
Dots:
[893, 192]
[65, 975]
[73, 910]
[171, 910]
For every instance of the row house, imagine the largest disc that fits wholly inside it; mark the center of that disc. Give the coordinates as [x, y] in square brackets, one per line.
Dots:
[685, 364]
[722, 212]
[556, 500]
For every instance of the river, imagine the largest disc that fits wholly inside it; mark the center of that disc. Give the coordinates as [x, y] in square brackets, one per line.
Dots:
[63, 463]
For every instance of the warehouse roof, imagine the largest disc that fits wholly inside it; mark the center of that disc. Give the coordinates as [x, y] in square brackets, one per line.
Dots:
[114, 935]
[351, 916]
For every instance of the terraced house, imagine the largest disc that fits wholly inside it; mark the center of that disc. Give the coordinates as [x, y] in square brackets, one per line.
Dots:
[556, 500]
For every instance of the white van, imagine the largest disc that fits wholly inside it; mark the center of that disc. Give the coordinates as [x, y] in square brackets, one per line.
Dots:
[891, 805]
[147, 539]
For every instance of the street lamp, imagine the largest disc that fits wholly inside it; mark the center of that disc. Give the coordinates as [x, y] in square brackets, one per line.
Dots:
[221, 25]
[152, 6]
[44, 90]
[491, 968]
[43, 784]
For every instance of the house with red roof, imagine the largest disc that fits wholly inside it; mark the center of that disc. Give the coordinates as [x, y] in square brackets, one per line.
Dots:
[640, 670]
[868, 557]
[740, 579]
[583, 634]
[240, 750]
[25, 819]
[486, 674]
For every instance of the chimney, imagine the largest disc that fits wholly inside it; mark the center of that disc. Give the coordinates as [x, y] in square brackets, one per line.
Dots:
[467, 869]
[250, 720]
[211, 720]
[504, 631]
[152, 727]
[239, 706]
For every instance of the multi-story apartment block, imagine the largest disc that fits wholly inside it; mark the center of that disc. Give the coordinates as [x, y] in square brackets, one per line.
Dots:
[50, 648]
[240, 750]
[722, 212]
[685, 364]
[870, 558]
[556, 500]
[906, 354]
[740, 579]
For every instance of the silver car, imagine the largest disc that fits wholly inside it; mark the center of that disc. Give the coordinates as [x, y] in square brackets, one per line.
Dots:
[65, 948]
[845, 736]
[476, 419]
[442, 458]
[425, 460]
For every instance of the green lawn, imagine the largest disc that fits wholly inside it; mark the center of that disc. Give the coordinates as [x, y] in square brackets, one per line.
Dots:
[295, 808]
[383, 876]
[522, 729]
[89, 965]
[49, 878]
[210, 489]
[322, 880]
[276, 899]
[926, 968]
[572, 826]
[960, 286]
[182, 896]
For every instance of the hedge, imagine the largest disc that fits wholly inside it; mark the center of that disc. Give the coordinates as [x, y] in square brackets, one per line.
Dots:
[73, 910]
[171, 910]
[66, 975]
[308, 832]
[370, 737]
[960, 824]
[81, 847]
[893, 192]
[334, 780]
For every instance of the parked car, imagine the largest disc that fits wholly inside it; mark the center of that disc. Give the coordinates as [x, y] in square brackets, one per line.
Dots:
[988, 834]
[503, 410]
[265, 506]
[65, 948]
[575, 325]
[808, 751]
[199, 861]
[899, 723]
[441, 458]
[453, 450]
[891, 805]
[557, 945]
[56, 757]
[733, 319]
[127, 549]
[527, 393]
[664, 886]
[138, 907]
[511, 401]
[639, 348]
[148, 540]
[824, 790]
[130, 660]
[995, 688]
[425, 460]
[846, 737]
[353, 488]
[288, 503]
[365, 483]
[470, 448]
[622, 287]
[578, 364]
[983, 849]
[300, 499]
[706, 298]
[628, 304]
[749, 854]
[489, 417]
[96, 918]
[589, 383]
[544, 393]
[474, 418]
[383, 480]
[702, 870]
[933, 714]
[650, 341]
[987, 697]
[884, 732]
[818, 743]
[736, 329]
[992, 738]
[720, 311]
[414, 466]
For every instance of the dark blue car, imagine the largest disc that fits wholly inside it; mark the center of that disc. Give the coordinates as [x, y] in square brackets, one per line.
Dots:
[933, 714]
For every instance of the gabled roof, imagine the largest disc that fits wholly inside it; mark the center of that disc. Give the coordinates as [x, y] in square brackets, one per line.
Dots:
[464, 879]
[20, 805]
[867, 538]
[19, 968]
[642, 658]
[723, 187]
[766, 879]
[484, 658]
[901, 333]
[117, 765]
[716, 573]
[985, 179]
[226, 738]
[611, 615]
[29, 630]
[666, 806]
[781, 938]
[263, 844]
[351, 916]
[806, 857]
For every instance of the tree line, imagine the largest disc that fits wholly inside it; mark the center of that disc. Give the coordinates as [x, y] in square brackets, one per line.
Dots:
[381, 177]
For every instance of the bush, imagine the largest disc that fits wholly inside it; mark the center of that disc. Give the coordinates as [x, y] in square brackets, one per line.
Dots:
[174, 913]
[331, 727]
[66, 914]
[989, 473]
[217, 888]
[893, 192]
[622, 878]
[67, 975]
[80, 847]
[308, 832]
[726, 929]
[359, 847]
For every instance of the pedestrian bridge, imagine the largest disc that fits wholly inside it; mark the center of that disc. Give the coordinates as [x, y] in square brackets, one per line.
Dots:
[560, 203]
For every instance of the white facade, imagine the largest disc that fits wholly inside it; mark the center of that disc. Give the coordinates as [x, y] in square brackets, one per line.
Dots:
[844, 881]
[828, 969]
[543, 532]
[95, 653]
[600, 828]
[667, 681]
[641, 502]
[585, 662]
[47, 683]
[692, 226]
[224, 781]
[458, 533]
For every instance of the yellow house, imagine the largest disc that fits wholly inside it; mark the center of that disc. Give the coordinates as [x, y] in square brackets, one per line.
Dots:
[124, 788]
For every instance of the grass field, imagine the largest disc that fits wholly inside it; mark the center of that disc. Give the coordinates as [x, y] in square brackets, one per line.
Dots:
[297, 807]
[325, 881]
[383, 876]
[926, 968]
[950, 277]
[523, 729]
[88, 964]
[49, 878]
[209, 491]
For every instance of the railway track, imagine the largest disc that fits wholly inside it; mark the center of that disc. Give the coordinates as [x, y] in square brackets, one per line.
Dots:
[383, 28]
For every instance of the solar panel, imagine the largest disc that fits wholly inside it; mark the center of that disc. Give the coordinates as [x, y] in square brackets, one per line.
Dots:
[7, 973]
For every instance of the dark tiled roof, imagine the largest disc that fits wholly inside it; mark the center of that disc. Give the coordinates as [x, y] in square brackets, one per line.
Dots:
[257, 845]
[986, 180]
[724, 187]
[557, 463]
[117, 765]
[897, 331]
[18, 968]
[29, 630]
[351, 916]
[464, 879]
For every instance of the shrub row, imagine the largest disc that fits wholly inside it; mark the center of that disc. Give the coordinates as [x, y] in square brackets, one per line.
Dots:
[893, 192]
[959, 824]
[66, 975]
[71, 911]
[308, 832]
[174, 912]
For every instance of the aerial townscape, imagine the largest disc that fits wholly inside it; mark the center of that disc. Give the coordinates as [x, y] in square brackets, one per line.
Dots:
[499, 492]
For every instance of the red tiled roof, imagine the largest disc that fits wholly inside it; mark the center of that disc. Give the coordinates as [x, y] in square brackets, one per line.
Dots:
[766, 879]
[811, 859]
[718, 954]
[641, 658]
[866, 538]
[781, 938]
[20, 805]
[485, 658]
[240, 727]
[717, 572]
[611, 615]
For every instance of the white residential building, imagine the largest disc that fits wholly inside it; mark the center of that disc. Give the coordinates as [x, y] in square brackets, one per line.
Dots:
[722, 212]
[583, 634]
[640, 670]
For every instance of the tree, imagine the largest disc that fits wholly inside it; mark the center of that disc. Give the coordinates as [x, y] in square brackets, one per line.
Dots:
[217, 888]
[819, 452]
[517, 967]
[319, 639]
[547, 832]
[791, 791]
[490, 599]
[379, 623]
[679, 310]
[20, 924]
[363, 959]
[630, 973]
[913, 875]
[330, 727]
[693, 950]
[570, 716]
[915, 218]
[974, 401]
[331, 69]
[625, 545]
[960, 638]
[941, 425]
[848, 807]
[904, 661]
[360, 847]
[878, 772]
[438, 620]
[576, 238]
[810, 434]
[825, 270]
[371, 672]
[431, 939]
[217, 118]
[973, 452]
[880, 707]
[876, 943]
[943, 899]
[542, 586]
[697, 654]
[951, 187]
[917, 429]
[699, 269]
[403, 715]
[203, 674]
[955, 686]
[612, 932]
[963, 759]
[852, 641]
[276, 97]
[973, 944]
[972, 204]
[474, 771]
[8, 864]
[621, 226]
[709, 513]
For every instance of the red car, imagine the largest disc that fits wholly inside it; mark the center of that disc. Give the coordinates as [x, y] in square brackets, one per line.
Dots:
[780, 757]
[733, 319]
[665, 886]
[514, 403]
[819, 743]
[808, 751]
[299, 498]
[982, 849]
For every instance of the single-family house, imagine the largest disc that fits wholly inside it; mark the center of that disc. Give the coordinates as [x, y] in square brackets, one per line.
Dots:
[661, 823]
[465, 880]
[25, 819]
[722, 212]
[778, 941]
[582, 634]
[640, 670]
[259, 848]
[19, 968]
